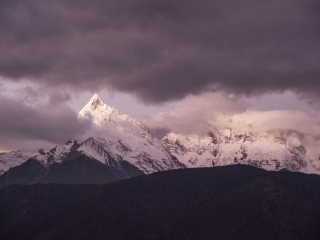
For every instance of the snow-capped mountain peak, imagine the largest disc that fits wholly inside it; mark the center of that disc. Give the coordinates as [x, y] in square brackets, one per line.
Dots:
[121, 137]
[107, 117]
[100, 112]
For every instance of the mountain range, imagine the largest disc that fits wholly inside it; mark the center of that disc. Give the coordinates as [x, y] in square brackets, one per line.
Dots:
[123, 147]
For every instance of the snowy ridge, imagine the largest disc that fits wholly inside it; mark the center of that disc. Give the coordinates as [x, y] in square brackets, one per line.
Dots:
[14, 158]
[58, 153]
[271, 151]
[137, 151]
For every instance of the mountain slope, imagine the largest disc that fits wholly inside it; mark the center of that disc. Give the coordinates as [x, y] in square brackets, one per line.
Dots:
[14, 158]
[59, 153]
[231, 202]
[79, 170]
[29, 172]
[82, 170]
[136, 151]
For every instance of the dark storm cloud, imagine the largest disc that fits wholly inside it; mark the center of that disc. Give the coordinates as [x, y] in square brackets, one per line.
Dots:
[163, 50]
[20, 121]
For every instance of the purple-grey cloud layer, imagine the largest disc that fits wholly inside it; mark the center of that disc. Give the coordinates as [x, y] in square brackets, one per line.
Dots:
[163, 50]
[23, 124]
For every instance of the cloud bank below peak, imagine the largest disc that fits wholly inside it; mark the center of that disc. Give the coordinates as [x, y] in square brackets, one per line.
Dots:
[211, 111]
[163, 50]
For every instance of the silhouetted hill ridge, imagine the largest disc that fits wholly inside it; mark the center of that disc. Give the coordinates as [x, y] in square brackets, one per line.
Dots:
[232, 202]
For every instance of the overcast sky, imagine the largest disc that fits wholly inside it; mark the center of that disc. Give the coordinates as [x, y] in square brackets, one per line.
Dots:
[151, 58]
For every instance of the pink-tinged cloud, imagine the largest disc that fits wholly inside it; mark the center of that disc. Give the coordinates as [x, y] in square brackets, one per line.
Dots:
[201, 114]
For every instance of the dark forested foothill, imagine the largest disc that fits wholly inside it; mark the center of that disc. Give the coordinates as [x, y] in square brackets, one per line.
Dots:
[232, 202]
